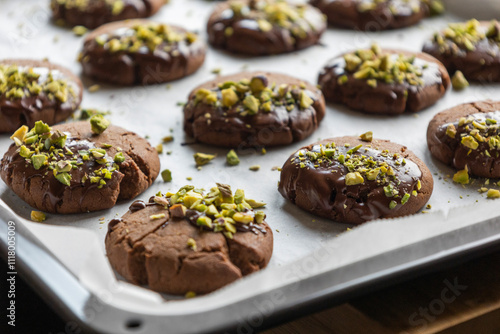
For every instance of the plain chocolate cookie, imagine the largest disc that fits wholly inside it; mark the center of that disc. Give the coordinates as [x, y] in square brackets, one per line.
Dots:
[93, 13]
[264, 27]
[68, 169]
[384, 81]
[352, 181]
[468, 136]
[190, 241]
[371, 15]
[141, 52]
[253, 109]
[471, 47]
[35, 90]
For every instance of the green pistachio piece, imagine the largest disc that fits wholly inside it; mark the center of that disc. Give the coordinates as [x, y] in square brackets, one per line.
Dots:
[212, 210]
[202, 159]
[305, 100]
[267, 106]
[254, 168]
[451, 131]
[461, 176]
[99, 124]
[18, 136]
[206, 96]
[158, 216]
[255, 204]
[405, 198]
[493, 193]
[204, 221]
[242, 218]
[79, 30]
[393, 204]
[258, 84]
[25, 152]
[41, 128]
[470, 142]
[365, 54]
[166, 175]
[458, 81]
[30, 138]
[354, 149]
[38, 160]
[58, 138]
[351, 62]
[119, 158]
[64, 178]
[191, 243]
[372, 174]
[229, 97]
[252, 104]
[38, 216]
[259, 217]
[239, 196]
[367, 136]
[354, 178]
[98, 153]
[63, 166]
[264, 25]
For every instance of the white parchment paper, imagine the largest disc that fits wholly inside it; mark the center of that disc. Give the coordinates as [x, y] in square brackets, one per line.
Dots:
[78, 240]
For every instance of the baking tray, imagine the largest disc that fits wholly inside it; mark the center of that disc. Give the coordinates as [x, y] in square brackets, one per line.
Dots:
[314, 260]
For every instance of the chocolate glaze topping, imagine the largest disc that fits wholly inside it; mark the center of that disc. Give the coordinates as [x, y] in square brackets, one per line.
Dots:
[325, 183]
[31, 107]
[249, 27]
[340, 85]
[110, 54]
[474, 142]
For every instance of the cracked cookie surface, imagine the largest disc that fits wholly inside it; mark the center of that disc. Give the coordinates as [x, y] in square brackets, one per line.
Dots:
[349, 180]
[69, 169]
[183, 247]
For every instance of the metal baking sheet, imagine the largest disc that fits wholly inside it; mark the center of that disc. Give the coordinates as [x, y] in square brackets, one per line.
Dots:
[313, 258]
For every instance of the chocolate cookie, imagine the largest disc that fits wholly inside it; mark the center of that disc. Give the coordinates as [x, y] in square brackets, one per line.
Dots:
[93, 13]
[468, 137]
[69, 169]
[264, 27]
[190, 241]
[384, 81]
[253, 109]
[471, 47]
[376, 15]
[353, 181]
[34, 90]
[141, 52]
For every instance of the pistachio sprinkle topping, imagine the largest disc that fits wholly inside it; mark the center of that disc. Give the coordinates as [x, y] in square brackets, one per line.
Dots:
[146, 37]
[114, 6]
[271, 14]
[374, 66]
[218, 210]
[255, 95]
[364, 165]
[52, 151]
[17, 82]
[466, 36]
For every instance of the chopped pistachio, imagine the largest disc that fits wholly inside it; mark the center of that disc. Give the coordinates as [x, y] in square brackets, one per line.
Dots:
[202, 159]
[158, 216]
[254, 204]
[80, 30]
[254, 168]
[367, 136]
[204, 221]
[305, 100]
[458, 81]
[159, 148]
[251, 103]
[493, 193]
[38, 160]
[166, 175]
[232, 158]
[178, 211]
[94, 88]
[229, 97]
[167, 139]
[393, 204]
[352, 179]
[119, 158]
[38, 216]
[258, 84]
[18, 136]
[461, 176]
[99, 124]
[191, 243]
[64, 178]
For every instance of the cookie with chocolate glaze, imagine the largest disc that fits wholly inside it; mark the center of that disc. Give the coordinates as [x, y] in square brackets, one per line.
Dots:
[36, 90]
[471, 47]
[264, 27]
[190, 241]
[93, 13]
[141, 52]
[251, 109]
[468, 137]
[70, 169]
[349, 180]
[384, 81]
[371, 15]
